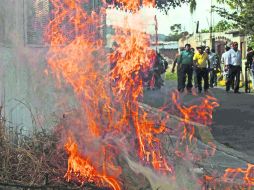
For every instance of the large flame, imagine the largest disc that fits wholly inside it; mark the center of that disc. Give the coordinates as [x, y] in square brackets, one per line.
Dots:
[111, 121]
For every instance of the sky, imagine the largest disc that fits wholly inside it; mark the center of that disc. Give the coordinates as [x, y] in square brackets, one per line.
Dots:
[180, 15]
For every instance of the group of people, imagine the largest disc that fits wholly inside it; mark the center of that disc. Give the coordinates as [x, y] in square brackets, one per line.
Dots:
[204, 65]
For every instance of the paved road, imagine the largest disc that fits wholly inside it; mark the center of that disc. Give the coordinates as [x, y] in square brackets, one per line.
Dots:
[233, 122]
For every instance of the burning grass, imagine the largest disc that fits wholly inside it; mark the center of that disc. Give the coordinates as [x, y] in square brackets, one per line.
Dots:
[110, 140]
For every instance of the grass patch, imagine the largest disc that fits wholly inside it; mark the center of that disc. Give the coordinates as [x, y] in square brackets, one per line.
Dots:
[170, 76]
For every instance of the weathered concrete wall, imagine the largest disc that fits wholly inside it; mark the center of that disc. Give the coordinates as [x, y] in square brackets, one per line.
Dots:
[29, 96]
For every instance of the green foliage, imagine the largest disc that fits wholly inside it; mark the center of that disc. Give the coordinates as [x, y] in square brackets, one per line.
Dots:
[241, 13]
[176, 28]
[205, 31]
[221, 26]
[176, 32]
[165, 5]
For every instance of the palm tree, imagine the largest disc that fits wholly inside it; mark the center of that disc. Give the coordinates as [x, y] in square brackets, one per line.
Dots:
[193, 5]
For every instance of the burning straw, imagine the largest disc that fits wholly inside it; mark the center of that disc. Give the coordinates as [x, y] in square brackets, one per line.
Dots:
[111, 141]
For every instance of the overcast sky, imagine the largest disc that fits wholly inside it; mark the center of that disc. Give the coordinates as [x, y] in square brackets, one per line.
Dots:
[180, 15]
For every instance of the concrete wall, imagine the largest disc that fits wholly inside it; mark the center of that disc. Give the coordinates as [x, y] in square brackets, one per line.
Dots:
[28, 92]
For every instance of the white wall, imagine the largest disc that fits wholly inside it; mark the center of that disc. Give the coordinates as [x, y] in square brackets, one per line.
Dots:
[30, 97]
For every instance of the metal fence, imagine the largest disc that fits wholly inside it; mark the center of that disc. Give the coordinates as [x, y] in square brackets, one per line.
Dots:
[35, 17]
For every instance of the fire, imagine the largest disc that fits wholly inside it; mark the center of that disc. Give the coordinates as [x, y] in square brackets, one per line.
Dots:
[133, 58]
[112, 122]
[247, 175]
[82, 168]
[134, 5]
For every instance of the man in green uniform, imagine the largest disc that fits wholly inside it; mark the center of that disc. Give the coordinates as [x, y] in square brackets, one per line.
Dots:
[185, 63]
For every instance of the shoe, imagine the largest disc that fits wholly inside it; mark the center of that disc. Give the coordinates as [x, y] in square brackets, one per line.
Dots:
[181, 90]
[237, 92]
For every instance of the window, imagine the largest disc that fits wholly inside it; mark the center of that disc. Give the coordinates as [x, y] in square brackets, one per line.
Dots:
[36, 20]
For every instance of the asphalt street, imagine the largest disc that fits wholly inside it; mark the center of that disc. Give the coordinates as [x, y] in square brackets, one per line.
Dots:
[233, 120]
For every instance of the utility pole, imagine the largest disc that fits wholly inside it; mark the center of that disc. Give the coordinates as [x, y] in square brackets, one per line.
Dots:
[156, 32]
[212, 42]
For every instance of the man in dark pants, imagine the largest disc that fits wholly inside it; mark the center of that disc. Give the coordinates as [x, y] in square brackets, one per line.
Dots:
[249, 65]
[177, 68]
[185, 63]
[214, 66]
[235, 63]
[202, 63]
[194, 71]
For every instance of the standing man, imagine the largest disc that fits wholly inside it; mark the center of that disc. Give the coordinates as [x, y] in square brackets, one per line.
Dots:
[213, 66]
[250, 64]
[202, 63]
[194, 71]
[177, 68]
[235, 66]
[224, 62]
[185, 62]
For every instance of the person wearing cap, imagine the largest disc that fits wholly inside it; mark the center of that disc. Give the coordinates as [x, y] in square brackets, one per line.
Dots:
[185, 63]
[234, 64]
[177, 68]
[202, 63]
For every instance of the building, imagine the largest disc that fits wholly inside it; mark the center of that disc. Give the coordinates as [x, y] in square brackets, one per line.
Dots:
[169, 50]
[221, 39]
[27, 96]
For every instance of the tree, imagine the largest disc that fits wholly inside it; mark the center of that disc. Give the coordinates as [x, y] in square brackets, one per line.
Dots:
[176, 28]
[163, 5]
[176, 33]
[241, 13]
[221, 26]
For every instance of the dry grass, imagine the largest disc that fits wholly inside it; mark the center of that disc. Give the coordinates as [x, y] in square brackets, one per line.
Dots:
[31, 160]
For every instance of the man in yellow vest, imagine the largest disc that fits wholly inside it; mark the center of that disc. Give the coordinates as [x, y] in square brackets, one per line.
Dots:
[201, 64]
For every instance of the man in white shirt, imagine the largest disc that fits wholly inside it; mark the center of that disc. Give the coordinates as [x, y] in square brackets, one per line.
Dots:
[224, 63]
[224, 57]
[235, 64]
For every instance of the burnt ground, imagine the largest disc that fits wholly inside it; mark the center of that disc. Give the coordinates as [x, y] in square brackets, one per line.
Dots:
[233, 121]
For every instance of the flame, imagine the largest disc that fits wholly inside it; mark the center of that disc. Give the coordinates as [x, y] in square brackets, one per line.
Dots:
[73, 56]
[247, 175]
[134, 5]
[109, 96]
[83, 169]
[133, 58]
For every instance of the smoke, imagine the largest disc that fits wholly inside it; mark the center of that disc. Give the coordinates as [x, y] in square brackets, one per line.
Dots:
[184, 179]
